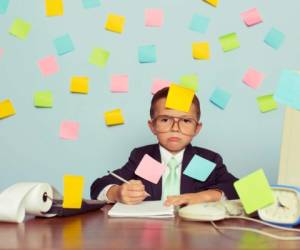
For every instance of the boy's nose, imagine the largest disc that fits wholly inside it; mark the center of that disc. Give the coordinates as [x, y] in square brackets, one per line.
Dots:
[175, 126]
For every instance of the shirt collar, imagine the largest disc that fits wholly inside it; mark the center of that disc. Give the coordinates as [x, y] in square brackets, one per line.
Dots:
[167, 155]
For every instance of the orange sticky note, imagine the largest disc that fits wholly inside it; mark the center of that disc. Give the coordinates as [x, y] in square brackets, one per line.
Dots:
[54, 7]
[179, 98]
[73, 191]
[113, 117]
[200, 50]
[79, 84]
[6, 109]
[115, 23]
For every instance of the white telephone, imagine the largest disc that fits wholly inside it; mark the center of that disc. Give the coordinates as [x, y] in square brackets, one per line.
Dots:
[212, 211]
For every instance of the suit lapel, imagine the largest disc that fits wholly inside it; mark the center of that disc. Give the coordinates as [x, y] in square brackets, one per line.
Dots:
[156, 188]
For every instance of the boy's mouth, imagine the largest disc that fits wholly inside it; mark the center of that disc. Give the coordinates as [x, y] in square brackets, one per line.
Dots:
[173, 139]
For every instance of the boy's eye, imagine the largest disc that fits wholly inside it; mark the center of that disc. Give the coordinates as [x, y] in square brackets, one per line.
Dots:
[187, 120]
[164, 119]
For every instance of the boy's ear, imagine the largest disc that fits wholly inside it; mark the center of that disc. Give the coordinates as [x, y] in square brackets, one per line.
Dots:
[198, 128]
[150, 125]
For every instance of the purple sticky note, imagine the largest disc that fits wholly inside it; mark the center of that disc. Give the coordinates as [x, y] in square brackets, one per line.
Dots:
[69, 130]
[251, 17]
[150, 169]
[48, 65]
[154, 17]
[253, 78]
[119, 83]
[159, 84]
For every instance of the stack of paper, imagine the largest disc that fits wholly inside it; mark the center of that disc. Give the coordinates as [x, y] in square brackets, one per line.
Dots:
[146, 209]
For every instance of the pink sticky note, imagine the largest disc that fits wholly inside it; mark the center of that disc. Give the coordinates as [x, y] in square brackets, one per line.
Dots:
[253, 78]
[159, 84]
[1, 52]
[69, 130]
[150, 169]
[48, 65]
[154, 17]
[251, 17]
[119, 83]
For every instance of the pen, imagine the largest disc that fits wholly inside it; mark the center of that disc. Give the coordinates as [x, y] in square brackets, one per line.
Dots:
[122, 179]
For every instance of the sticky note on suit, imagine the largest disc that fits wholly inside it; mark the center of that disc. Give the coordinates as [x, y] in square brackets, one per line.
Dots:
[266, 103]
[229, 42]
[54, 7]
[20, 28]
[43, 99]
[79, 84]
[150, 169]
[199, 168]
[113, 117]
[6, 109]
[189, 81]
[254, 191]
[73, 191]
[115, 23]
[200, 50]
[251, 17]
[179, 98]
[99, 57]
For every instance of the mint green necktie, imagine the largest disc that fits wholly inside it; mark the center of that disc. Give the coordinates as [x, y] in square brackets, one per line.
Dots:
[172, 185]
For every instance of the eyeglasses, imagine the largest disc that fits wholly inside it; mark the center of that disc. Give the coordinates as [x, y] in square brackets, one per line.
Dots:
[165, 123]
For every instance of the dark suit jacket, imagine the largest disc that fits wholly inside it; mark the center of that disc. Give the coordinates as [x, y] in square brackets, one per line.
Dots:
[219, 178]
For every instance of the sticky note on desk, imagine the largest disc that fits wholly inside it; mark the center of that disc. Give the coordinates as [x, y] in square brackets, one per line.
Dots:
[3, 6]
[6, 109]
[69, 130]
[115, 23]
[199, 23]
[229, 42]
[199, 168]
[253, 78]
[43, 99]
[274, 38]
[20, 28]
[150, 169]
[54, 7]
[48, 65]
[254, 191]
[79, 84]
[288, 89]
[251, 17]
[99, 57]
[179, 98]
[266, 103]
[73, 191]
[200, 50]
[113, 117]
[154, 17]
[189, 81]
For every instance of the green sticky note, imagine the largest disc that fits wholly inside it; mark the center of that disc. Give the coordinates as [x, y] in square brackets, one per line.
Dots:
[254, 191]
[99, 57]
[189, 81]
[229, 42]
[20, 28]
[43, 99]
[266, 103]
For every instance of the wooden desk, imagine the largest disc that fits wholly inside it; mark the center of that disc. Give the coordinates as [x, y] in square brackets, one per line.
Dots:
[96, 231]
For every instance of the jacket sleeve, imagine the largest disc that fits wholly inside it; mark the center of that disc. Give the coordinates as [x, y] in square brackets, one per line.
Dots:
[127, 172]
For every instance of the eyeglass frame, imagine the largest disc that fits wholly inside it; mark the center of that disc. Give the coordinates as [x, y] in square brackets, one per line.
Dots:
[174, 121]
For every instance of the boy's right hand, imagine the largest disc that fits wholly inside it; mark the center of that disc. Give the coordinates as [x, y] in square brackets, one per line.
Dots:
[132, 192]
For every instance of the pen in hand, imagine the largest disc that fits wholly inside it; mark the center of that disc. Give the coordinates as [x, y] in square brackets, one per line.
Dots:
[122, 179]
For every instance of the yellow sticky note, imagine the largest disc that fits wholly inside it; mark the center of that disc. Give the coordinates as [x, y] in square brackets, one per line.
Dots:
[79, 84]
[73, 191]
[200, 50]
[54, 7]
[115, 23]
[212, 2]
[6, 109]
[179, 98]
[113, 117]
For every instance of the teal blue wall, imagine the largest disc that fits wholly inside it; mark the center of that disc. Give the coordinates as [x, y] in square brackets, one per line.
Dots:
[30, 147]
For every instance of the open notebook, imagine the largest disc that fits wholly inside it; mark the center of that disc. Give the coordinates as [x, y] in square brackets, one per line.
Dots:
[146, 209]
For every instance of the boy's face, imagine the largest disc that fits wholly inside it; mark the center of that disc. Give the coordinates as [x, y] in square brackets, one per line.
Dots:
[174, 129]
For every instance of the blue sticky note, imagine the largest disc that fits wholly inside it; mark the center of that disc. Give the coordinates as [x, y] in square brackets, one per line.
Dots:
[3, 6]
[63, 44]
[147, 54]
[288, 89]
[199, 23]
[274, 38]
[220, 98]
[90, 3]
[199, 168]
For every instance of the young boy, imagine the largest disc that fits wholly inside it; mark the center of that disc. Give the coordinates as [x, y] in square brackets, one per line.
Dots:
[174, 131]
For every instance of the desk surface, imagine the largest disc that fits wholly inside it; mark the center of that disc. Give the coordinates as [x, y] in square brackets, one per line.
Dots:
[96, 230]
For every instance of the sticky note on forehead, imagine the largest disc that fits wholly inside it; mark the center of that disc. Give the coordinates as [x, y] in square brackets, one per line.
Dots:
[73, 191]
[254, 191]
[179, 98]
[150, 169]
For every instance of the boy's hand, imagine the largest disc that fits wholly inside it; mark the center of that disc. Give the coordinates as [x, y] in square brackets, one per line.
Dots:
[132, 192]
[193, 198]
